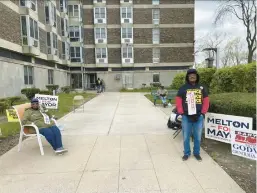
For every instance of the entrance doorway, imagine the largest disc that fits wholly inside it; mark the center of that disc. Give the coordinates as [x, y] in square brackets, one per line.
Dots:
[90, 81]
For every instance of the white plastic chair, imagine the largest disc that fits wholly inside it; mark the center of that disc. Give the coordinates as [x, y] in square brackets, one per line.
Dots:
[78, 100]
[20, 109]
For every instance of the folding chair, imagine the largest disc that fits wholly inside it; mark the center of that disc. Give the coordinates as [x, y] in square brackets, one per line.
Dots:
[78, 101]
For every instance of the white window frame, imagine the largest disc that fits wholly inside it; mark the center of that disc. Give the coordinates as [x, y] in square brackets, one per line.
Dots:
[101, 36]
[65, 51]
[52, 17]
[156, 2]
[126, 39]
[102, 58]
[53, 47]
[156, 36]
[78, 54]
[127, 18]
[50, 76]
[156, 55]
[99, 1]
[28, 75]
[126, 1]
[72, 14]
[29, 37]
[63, 5]
[74, 30]
[154, 74]
[156, 12]
[127, 53]
[99, 17]
[29, 3]
[64, 27]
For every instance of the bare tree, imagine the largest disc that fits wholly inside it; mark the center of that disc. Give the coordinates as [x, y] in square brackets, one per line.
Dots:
[244, 10]
[234, 53]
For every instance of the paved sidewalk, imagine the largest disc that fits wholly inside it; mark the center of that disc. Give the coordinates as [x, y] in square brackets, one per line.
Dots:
[119, 144]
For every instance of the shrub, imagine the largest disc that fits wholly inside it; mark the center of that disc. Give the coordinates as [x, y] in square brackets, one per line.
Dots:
[52, 87]
[66, 89]
[3, 106]
[205, 74]
[238, 104]
[30, 92]
[45, 92]
[240, 78]
[12, 100]
[178, 81]
[155, 84]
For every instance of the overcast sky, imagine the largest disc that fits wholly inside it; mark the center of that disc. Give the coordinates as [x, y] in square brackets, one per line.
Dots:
[204, 17]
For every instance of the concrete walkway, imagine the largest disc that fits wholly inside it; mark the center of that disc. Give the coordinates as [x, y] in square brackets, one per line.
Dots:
[119, 144]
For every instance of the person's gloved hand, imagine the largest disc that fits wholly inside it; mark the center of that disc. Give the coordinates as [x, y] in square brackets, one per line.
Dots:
[178, 117]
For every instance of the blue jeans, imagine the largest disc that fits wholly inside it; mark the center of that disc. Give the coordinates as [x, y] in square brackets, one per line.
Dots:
[53, 136]
[163, 99]
[188, 127]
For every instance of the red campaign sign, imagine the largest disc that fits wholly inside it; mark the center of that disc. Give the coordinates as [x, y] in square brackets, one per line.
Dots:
[245, 138]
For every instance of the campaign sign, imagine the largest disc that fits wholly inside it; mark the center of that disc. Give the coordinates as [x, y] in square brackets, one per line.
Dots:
[11, 115]
[243, 143]
[49, 101]
[218, 126]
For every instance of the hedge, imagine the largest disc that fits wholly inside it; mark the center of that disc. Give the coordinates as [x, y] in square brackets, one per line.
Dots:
[205, 74]
[30, 92]
[241, 78]
[238, 104]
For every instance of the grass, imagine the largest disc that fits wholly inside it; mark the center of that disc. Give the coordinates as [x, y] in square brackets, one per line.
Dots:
[64, 107]
[158, 102]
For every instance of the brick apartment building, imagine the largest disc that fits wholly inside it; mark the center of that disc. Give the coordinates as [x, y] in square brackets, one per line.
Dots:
[126, 42]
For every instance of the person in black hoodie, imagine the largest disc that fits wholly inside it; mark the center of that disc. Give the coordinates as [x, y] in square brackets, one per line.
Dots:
[192, 102]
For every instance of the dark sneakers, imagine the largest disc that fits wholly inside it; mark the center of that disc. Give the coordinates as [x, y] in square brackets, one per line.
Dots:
[198, 157]
[185, 157]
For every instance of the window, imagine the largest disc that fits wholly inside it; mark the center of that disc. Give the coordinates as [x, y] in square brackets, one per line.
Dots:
[32, 4]
[156, 2]
[52, 43]
[126, 12]
[156, 16]
[156, 36]
[65, 51]
[74, 33]
[156, 77]
[100, 13]
[76, 81]
[28, 75]
[74, 10]
[126, 32]
[29, 31]
[50, 77]
[127, 52]
[156, 55]
[101, 53]
[50, 13]
[100, 33]
[75, 53]
[63, 5]
[64, 26]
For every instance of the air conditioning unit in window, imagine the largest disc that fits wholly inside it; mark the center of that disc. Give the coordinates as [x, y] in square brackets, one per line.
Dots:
[127, 40]
[99, 1]
[101, 60]
[156, 60]
[125, 1]
[35, 43]
[126, 21]
[100, 41]
[127, 60]
[99, 20]
[117, 77]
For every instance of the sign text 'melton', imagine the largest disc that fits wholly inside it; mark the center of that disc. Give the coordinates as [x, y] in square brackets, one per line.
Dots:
[229, 123]
[46, 98]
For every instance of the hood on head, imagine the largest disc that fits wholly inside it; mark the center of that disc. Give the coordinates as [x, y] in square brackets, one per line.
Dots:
[192, 71]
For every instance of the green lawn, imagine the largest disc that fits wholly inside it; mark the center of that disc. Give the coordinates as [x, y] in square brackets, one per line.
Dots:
[65, 106]
[150, 97]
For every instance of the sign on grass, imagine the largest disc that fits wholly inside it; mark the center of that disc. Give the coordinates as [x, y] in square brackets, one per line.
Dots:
[243, 143]
[219, 126]
[11, 115]
[49, 101]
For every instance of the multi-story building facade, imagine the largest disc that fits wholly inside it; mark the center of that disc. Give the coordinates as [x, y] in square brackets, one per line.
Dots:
[126, 43]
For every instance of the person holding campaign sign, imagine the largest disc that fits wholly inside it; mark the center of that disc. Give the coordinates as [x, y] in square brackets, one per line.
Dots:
[47, 127]
[192, 103]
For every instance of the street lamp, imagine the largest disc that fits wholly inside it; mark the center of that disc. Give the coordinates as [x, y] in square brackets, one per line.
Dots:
[211, 59]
